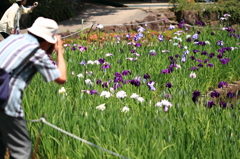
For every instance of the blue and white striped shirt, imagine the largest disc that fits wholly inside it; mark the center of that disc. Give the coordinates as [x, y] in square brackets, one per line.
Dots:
[13, 51]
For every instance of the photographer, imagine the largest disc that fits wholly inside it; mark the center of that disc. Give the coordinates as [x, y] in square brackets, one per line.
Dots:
[9, 23]
[40, 41]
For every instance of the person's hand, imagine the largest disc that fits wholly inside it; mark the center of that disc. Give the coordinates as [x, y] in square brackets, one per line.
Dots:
[12, 31]
[58, 46]
[35, 4]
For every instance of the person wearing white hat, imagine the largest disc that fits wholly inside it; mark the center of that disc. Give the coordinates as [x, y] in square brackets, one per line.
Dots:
[9, 23]
[27, 54]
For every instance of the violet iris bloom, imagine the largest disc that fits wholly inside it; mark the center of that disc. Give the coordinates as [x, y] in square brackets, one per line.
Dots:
[105, 85]
[106, 66]
[215, 94]
[153, 53]
[230, 94]
[99, 82]
[195, 95]
[206, 60]
[193, 68]
[224, 61]
[222, 83]
[200, 65]
[211, 55]
[138, 45]
[204, 53]
[135, 82]
[223, 104]
[146, 76]
[169, 85]
[83, 63]
[195, 51]
[118, 79]
[93, 92]
[210, 104]
[192, 57]
[117, 85]
[150, 84]
[101, 60]
[210, 65]
[160, 38]
[126, 72]
[220, 43]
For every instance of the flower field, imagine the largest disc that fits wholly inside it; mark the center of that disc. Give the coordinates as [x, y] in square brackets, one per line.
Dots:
[144, 95]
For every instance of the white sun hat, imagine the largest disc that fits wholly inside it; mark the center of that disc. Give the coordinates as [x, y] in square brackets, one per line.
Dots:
[45, 28]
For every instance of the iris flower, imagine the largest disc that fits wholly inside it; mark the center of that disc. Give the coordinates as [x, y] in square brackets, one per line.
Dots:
[195, 96]
[150, 84]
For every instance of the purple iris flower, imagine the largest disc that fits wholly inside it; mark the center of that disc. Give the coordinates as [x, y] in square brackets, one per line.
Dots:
[212, 33]
[117, 85]
[195, 95]
[181, 24]
[153, 53]
[146, 76]
[177, 55]
[169, 85]
[166, 71]
[224, 61]
[222, 83]
[198, 32]
[133, 51]
[118, 79]
[211, 55]
[230, 94]
[127, 81]
[223, 104]
[160, 38]
[193, 68]
[210, 65]
[188, 39]
[219, 56]
[99, 82]
[106, 66]
[220, 43]
[82, 48]
[210, 104]
[199, 60]
[206, 60]
[105, 85]
[195, 51]
[215, 94]
[200, 65]
[150, 84]
[135, 82]
[192, 57]
[183, 59]
[101, 60]
[126, 72]
[170, 58]
[138, 45]
[121, 50]
[93, 92]
[204, 53]
[83, 63]
[117, 74]
[195, 36]
[73, 48]
[128, 35]
[118, 61]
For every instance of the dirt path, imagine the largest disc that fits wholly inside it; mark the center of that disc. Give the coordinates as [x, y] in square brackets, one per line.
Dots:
[100, 14]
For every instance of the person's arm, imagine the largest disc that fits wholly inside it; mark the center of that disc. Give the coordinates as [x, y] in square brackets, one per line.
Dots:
[61, 62]
[13, 12]
[29, 10]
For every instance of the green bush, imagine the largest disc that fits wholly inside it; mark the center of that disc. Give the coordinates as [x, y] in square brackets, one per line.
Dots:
[220, 7]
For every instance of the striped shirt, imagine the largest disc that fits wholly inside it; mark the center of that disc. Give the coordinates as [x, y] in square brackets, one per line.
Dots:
[13, 51]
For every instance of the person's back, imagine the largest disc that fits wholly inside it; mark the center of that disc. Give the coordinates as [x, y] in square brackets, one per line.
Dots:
[39, 42]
